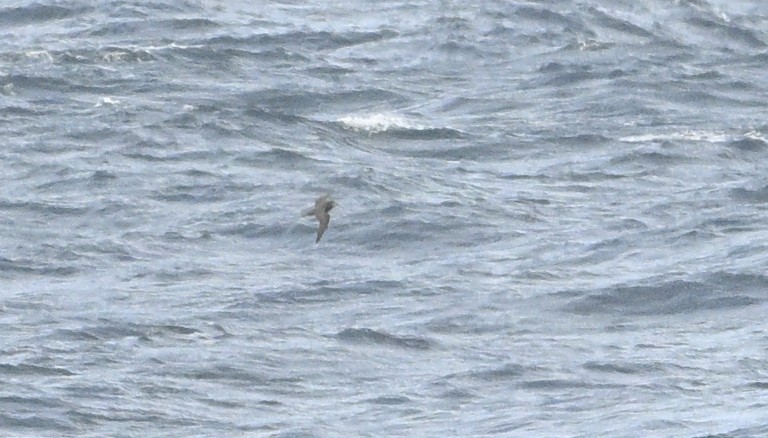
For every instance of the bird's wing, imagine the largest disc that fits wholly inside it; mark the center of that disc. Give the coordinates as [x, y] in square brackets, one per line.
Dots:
[324, 219]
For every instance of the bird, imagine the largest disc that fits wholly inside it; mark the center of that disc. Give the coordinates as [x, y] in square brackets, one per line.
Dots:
[323, 205]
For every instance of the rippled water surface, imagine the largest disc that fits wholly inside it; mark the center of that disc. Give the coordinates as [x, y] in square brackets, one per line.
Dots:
[551, 218]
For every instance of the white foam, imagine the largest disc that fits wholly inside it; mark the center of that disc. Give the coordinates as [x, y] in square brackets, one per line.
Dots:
[374, 123]
[40, 54]
[754, 135]
[707, 136]
[106, 101]
[115, 56]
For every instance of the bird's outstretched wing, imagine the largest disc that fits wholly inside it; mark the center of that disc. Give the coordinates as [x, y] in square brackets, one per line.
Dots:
[324, 219]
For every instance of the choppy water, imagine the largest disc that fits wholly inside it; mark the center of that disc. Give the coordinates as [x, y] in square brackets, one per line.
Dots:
[552, 218]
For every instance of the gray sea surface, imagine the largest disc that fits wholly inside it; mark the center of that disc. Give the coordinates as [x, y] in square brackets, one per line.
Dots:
[552, 218]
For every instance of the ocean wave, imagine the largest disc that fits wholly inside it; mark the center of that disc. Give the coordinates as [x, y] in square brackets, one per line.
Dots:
[562, 201]
[375, 337]
[397, 126]
[37, 13]
[375, 123]
[718, 292]
[759, 195]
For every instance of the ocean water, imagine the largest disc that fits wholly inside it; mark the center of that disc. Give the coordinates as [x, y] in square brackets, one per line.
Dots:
[552, 218]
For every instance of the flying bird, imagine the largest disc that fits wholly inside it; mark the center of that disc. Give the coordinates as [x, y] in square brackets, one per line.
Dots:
[323, 205]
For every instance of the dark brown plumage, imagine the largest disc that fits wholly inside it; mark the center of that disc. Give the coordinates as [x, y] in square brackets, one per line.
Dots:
[323, 206]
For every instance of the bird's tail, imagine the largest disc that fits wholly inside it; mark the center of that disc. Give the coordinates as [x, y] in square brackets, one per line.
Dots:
[308, 211]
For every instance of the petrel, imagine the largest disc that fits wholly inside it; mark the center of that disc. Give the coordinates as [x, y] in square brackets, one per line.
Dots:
[323, 205]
